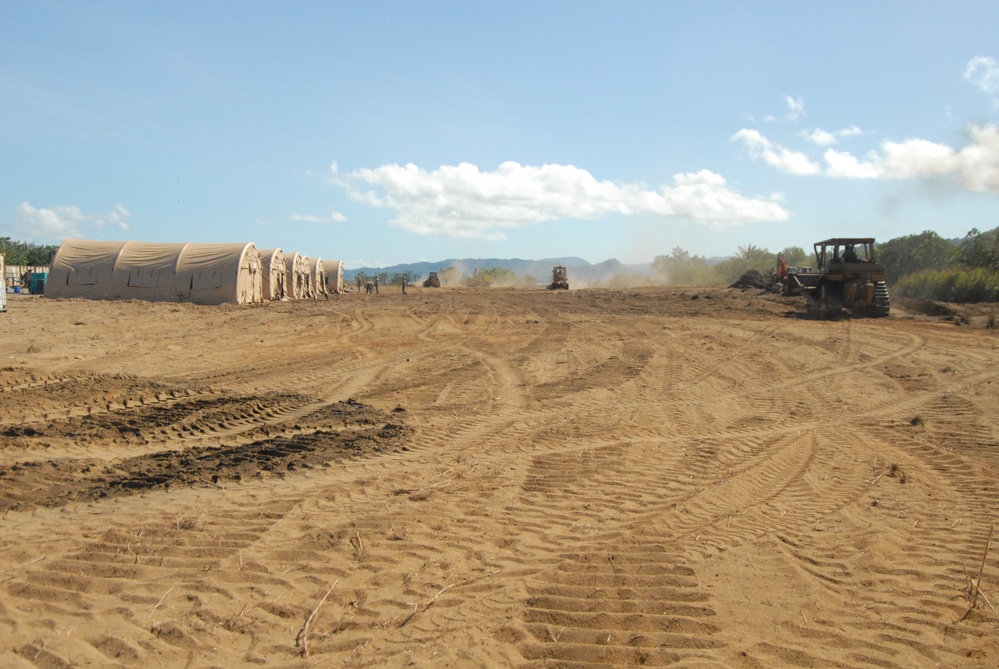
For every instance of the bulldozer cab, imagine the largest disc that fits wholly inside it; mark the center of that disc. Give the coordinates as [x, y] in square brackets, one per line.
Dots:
[844, 250]
[560, 278]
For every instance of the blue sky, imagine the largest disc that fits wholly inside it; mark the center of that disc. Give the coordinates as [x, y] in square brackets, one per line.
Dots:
[380, 133]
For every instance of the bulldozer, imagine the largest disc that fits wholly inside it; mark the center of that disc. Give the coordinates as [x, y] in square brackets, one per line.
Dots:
[846, 275]
[433, 281]
[560, 278]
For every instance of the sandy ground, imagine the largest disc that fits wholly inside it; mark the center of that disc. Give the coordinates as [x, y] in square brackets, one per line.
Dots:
[496, 478]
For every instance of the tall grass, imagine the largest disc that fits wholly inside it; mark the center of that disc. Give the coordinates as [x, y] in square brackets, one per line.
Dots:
[950, 285]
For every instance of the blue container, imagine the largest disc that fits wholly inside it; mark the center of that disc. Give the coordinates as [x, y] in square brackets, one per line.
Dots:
[17, 289]
[36, 283]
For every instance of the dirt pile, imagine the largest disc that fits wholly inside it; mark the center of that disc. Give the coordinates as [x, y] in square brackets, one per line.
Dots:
[754, 278]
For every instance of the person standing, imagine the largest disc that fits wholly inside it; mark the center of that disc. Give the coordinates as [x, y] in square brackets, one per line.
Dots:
[376, 284]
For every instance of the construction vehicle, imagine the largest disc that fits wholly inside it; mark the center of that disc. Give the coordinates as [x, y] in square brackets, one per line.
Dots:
[847, 275]
[560, 278]
[432, 281]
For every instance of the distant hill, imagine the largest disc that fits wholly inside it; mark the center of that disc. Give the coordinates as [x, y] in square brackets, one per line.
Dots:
[579, 269]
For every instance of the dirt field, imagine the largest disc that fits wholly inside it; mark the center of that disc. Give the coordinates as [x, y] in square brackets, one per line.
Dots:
[496, 478]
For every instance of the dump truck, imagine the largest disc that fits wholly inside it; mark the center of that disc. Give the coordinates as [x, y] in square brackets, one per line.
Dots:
[433, 281]
[560, 278]
[846, 275]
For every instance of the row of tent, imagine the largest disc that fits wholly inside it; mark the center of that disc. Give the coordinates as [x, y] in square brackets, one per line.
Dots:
[197, 273]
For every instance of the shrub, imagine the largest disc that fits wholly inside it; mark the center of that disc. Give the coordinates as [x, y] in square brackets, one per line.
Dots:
[977, 285]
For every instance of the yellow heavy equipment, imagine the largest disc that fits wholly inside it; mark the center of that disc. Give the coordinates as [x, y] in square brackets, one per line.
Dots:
[846, 275]
[560, 278]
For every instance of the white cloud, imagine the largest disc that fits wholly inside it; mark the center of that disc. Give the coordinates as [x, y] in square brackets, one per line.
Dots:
[334, 217]
[56, 224]
[983, 73]
[796, 107]
[775, 155]
[795, 110]
[117, 217]
[462, 201]
[975, 167]
[822, 137]
[705, 196]
[845, 165]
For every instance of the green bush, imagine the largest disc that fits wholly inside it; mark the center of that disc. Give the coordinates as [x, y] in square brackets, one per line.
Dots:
[950, 285]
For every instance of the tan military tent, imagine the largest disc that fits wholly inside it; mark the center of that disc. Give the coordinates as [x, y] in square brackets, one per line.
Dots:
[274, 273]
[317, 278]
[198, 273]
[334, 275]
[297, 280]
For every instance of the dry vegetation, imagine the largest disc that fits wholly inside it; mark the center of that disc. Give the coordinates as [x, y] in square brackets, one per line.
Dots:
[522, 478]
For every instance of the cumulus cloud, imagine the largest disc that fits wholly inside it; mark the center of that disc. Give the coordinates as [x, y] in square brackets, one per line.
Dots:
[775, 155]
[464, 202]
[975, 167]
[845, 165]
[983, 73]
[822, 137]
[56, 224]
[333, 217]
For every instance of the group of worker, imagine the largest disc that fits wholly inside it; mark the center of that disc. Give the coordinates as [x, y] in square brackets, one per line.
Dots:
[372, 285]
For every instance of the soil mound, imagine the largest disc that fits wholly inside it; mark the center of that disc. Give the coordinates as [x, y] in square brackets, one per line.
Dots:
[754, 278]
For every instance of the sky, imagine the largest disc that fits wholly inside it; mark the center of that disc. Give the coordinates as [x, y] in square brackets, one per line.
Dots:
[381, 133]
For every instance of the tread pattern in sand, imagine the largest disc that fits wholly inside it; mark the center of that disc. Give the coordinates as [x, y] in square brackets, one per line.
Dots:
[578, 479]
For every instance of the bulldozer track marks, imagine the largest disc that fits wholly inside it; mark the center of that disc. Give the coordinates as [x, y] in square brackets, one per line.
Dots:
[509, 478]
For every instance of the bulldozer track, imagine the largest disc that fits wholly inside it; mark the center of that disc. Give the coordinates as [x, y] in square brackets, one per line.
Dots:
[504, 479]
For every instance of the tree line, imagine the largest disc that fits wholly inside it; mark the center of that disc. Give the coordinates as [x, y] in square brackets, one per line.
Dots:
[924, 265]
[25, 253]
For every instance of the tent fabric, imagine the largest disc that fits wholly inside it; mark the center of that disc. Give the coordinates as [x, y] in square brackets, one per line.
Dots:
[334, 275]
[297, 267]
[274, 274]
[197, 273]
[317, 277]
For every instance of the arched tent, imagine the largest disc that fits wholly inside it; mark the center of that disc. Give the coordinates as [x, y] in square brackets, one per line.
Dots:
[334, 275]
[297, 279]
[198, 273]
[317, 277]
[274, 274]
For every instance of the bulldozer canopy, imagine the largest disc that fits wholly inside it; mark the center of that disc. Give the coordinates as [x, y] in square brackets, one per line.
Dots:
[842, 241]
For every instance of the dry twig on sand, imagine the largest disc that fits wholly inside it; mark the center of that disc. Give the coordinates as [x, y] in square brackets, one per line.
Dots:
[976, 584]
[303, 634]
[358, 546]
[418, 608]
